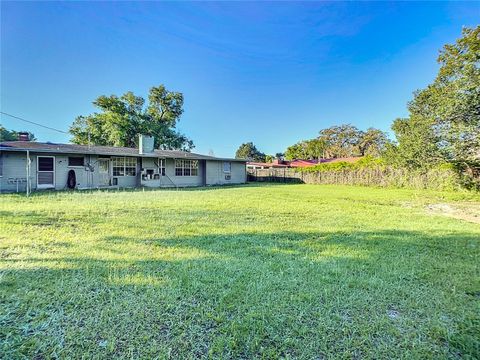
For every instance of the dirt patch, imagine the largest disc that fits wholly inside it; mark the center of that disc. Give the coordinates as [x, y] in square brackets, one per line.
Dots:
[463, 211]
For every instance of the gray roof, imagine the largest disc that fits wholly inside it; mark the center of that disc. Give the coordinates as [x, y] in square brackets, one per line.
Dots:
[101, 150]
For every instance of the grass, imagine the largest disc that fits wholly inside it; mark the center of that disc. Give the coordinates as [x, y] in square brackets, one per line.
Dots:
[274, 271]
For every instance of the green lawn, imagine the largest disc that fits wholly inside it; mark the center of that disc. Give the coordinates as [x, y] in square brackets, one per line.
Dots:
[274, 271]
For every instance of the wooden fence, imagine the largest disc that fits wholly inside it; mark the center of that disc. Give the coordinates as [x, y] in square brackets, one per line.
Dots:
[380, 176]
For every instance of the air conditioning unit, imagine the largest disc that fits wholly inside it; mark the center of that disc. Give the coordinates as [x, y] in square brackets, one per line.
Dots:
[228, 177]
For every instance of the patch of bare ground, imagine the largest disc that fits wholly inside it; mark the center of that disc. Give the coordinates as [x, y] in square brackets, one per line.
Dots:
[463, 211]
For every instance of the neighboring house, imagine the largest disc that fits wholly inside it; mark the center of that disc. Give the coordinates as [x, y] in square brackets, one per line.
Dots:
[253, 165]
[55, 166]
[297, 163]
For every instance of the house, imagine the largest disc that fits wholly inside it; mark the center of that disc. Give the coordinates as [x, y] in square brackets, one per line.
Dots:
[296, 163]
[256, 165]
[28, 165]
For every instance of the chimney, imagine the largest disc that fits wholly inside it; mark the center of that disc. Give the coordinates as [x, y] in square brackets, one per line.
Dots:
[23, 136]
[145, 144]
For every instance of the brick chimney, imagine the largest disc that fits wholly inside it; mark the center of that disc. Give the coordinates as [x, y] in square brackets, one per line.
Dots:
[23, 136]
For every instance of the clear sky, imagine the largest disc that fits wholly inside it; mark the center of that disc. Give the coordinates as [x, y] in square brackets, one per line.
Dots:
[271, 73]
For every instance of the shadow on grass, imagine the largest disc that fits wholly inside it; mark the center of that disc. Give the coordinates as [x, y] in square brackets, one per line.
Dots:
[285, 294]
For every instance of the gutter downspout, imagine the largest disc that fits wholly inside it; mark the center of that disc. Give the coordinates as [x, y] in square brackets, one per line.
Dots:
[28, 172]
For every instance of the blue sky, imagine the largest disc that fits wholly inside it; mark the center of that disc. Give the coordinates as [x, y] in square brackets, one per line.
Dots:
[271, 73]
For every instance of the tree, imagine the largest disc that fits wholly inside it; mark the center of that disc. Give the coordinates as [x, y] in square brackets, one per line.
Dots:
[341, 140]
[306, 149]
[296, 151]
[416, 146]
[269, 158]
[122, 119]
[250, 152]
[372, 142]
[12, 135]
[444, 121]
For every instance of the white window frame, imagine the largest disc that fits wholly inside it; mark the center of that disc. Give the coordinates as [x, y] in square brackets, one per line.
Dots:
[123, 160]
[229, 171]
[46, 186]
[162, 166]
[189, 167]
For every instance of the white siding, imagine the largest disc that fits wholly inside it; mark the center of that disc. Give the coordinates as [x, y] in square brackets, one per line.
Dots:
[216, 176]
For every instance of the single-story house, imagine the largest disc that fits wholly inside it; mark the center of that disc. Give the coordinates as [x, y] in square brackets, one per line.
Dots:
[29, 165]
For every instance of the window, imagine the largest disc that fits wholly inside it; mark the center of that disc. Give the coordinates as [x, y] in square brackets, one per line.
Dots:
[161, 166]
[118, 164]
[130, 166]
[76, 161]
[124, 166]
[194, 167]
[46, 163]
[227, 167]
[186, 168]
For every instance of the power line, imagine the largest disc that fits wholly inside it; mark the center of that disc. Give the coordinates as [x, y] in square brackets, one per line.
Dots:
[34, 123]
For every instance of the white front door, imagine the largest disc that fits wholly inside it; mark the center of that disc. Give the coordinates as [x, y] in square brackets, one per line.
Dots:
[104, 172]
[45, 172]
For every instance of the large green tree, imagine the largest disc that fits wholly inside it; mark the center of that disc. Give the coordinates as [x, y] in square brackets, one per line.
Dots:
[121, 119]
[372, 142]
[444, 121]
[416, 144]
[307, 149]
[250, 152]
[340, 141]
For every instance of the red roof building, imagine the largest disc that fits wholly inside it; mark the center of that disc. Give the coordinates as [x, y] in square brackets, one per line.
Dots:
[298, 163]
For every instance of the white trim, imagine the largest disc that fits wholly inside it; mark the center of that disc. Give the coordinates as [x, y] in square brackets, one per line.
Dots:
[46, 186]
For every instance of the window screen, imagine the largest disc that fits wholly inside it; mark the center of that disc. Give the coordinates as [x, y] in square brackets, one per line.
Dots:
[76, 161]
[45, 164]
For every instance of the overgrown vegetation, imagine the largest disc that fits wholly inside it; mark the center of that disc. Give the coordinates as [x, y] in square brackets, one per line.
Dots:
[370, 171]
[280, 271]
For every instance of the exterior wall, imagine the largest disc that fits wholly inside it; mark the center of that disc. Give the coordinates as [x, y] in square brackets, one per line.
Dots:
[183, 181]
[216, 176]
[170, 179]
[15, 168]
[13, 164]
